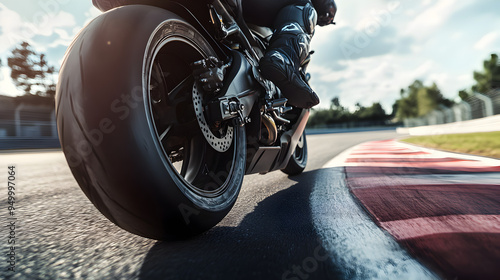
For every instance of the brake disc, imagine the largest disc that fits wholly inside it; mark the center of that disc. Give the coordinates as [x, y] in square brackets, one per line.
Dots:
[220, 144]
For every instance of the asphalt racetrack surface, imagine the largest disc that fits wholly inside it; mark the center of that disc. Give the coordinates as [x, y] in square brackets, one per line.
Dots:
[269, 234]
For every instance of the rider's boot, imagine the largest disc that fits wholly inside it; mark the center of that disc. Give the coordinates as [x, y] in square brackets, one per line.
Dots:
[293, 30]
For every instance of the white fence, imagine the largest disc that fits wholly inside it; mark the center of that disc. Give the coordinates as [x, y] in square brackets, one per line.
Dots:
[486, 124]
[26, 121]
[475, 107]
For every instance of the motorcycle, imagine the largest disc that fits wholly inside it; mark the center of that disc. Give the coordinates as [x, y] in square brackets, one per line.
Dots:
[161, 111]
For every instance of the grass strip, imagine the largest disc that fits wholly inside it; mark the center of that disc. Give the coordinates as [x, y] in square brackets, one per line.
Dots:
[483, 144]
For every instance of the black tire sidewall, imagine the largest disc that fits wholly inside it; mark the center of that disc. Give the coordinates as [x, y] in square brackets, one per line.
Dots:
[296, 166]
[108, 136]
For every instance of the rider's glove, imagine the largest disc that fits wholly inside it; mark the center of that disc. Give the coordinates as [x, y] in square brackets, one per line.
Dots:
[326, 11]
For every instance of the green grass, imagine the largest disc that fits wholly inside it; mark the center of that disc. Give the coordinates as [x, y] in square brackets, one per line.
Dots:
[483, 144]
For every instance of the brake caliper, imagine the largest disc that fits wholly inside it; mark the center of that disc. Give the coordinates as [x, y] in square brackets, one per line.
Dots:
[209, 72]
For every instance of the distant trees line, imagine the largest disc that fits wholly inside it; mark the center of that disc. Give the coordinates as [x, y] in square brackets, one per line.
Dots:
[338, 114]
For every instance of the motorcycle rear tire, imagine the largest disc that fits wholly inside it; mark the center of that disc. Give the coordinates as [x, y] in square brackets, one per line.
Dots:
[109, 127]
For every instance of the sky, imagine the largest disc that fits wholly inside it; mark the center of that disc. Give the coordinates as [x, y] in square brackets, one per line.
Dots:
[376, 48]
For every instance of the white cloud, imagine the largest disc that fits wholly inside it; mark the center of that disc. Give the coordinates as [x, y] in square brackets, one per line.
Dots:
[15, 29]
[433, 16]
[443, 49]
[450, 84]
[488, 42]
[10, 23]
[92, 13]
[366, 81]
[46, 24]
[426, 2]
[422, 71]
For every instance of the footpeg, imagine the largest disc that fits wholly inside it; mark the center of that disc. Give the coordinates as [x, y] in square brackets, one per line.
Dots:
[278, 107]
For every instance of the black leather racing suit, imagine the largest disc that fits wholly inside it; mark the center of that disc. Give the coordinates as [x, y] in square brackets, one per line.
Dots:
[293, 23]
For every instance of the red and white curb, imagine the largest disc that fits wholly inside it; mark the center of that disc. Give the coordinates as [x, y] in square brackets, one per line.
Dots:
[388, 177]
[355, 244]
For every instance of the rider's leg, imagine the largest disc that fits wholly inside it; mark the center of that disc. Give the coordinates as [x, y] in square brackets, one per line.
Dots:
[293, 28]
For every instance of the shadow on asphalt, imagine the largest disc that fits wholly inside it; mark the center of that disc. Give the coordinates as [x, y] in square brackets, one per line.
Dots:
[275, 241]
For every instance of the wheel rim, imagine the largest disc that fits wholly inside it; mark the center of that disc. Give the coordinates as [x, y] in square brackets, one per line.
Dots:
[202, 169]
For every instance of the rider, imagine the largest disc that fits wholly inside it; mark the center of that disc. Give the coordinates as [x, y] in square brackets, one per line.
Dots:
[293, 23]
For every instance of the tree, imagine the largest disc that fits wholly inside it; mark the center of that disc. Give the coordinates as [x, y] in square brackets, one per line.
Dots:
[30, 71]
[394, 109]
[429, 98]
[372, 113]
[464, 94]
[407, 104]
[489, 77]
[376, 112]
[335, 103]
[419, 100]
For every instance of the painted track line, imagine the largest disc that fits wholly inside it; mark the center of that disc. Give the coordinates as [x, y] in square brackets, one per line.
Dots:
[442, 207]
[355, 243]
